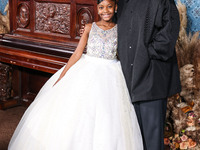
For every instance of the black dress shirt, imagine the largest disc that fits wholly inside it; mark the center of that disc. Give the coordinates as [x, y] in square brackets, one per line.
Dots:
[147, 33]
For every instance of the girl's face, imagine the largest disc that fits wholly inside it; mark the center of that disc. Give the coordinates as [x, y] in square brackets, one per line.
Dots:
[106, 10]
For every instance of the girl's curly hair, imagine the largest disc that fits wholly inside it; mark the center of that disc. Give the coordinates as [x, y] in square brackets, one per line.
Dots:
[99, 1]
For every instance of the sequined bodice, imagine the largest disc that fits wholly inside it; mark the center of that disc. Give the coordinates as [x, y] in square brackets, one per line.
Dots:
[102, 43]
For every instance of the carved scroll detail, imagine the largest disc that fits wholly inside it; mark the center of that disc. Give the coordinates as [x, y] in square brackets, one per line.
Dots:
[53, 18]
[84, 16]
[23, 15]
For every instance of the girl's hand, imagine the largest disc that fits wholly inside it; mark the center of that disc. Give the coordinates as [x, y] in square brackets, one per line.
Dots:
[82, 30]
[78, 52]
[57, 81]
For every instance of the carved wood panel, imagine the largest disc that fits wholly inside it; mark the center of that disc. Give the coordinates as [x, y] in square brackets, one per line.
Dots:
[23, 15]
[84, 16]
[54, 20]
[5, 81]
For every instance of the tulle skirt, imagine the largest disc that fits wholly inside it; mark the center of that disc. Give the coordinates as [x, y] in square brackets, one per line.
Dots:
[88, 109]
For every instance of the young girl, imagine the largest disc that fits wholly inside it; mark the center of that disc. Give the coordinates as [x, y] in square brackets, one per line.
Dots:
[86, 104]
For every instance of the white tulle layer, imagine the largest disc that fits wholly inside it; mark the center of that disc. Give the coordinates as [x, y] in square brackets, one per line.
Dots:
[89, 109]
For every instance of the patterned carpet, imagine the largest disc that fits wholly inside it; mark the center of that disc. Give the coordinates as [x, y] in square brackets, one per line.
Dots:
[8, 121]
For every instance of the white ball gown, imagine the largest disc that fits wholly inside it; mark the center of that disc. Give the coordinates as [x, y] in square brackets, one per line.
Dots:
[88, 109]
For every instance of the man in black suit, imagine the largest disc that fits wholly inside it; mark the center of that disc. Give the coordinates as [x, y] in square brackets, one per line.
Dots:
[147, 33]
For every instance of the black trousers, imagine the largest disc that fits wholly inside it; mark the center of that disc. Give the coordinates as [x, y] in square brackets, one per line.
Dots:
[151, 117]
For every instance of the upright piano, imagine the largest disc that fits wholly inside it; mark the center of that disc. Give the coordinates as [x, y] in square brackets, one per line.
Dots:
[43, 35]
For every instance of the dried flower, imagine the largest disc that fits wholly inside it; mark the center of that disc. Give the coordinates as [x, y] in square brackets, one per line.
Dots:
[166, 141]
[191, 114]
[177, 140]
[184, 137]
[177, 145]
[191, 143]
[176, 135]
[184, 145]
[190, 122]
[191, 128]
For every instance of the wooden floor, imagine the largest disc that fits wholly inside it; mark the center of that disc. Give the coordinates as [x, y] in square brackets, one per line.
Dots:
[8, 121]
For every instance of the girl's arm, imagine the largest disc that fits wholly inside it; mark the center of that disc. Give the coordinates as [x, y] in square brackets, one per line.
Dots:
[78, 52]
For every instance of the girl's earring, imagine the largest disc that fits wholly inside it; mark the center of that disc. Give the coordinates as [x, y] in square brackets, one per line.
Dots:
[115, 11]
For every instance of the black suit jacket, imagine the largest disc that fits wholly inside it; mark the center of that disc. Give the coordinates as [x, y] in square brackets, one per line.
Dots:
[147, 33]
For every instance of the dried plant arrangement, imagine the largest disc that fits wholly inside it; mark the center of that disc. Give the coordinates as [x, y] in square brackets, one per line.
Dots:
[4, 21]
[183, 115]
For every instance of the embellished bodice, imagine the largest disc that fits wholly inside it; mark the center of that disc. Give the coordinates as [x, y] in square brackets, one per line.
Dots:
[102, 43]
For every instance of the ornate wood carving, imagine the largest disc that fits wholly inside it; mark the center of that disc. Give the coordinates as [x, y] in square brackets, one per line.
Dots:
[44, 34]
[5, 81]
[84, 16]
[54, 18]
[23, 15]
